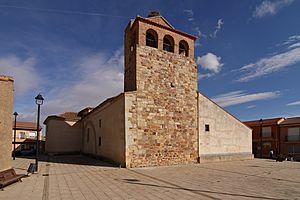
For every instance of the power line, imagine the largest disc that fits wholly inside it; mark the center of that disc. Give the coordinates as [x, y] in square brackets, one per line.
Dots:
[62, 11]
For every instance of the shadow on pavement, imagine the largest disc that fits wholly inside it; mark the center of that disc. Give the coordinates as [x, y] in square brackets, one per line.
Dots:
[200, 192]
[72, 159]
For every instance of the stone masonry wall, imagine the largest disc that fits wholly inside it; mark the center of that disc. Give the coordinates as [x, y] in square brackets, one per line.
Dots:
[165, 108]
[6, 118]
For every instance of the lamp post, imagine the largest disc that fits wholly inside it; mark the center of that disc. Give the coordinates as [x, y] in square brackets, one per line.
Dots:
[39, 101]
[15, 127]
[261, 148]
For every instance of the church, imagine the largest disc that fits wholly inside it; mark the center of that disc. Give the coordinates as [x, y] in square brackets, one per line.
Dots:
[160, 119]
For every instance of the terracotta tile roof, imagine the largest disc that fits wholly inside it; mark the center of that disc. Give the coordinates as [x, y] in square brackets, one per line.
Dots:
[69, 115]
[146, 20]
[85, 111]
[292, 120]
[6, 78]
[272, 121]
[26, 125]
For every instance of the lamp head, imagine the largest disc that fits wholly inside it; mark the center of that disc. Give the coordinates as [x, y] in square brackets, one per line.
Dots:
[39, 99]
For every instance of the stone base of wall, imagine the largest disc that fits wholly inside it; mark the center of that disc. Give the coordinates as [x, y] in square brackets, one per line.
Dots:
[225, 157]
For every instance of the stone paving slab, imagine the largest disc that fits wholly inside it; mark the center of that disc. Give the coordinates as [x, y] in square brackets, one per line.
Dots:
[79, 177]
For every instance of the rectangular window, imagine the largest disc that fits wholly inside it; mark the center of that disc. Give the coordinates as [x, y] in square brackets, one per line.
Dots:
[100, 123]
[206, 127]
[88, 135]
[99, 142]
[32, 135]
[293, 134]
[266, 131]
[293, 149]
[267, 145]
[22, 135]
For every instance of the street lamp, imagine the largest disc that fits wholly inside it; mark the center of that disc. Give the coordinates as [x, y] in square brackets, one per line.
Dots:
[15, 127]
[39, 101]
[261, 123]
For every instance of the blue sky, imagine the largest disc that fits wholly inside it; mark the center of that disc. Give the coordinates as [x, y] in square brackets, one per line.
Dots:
[248, 52]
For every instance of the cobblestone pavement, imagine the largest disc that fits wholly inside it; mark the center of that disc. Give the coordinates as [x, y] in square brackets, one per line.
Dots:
[79, 177]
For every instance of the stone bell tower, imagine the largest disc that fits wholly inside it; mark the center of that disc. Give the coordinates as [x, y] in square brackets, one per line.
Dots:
[161, 71]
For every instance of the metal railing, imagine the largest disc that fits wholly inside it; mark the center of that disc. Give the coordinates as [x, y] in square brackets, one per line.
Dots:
[292, 138]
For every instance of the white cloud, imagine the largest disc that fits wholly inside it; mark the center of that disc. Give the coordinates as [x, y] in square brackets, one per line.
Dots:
[218, 28]
[295, 103]
[270, 64]
[206, 75]
[210, 62]
[251, 106]
[100, 78]
[190, 14]
[95, 77]
[23, 72]
[239, 97]
[294, 45]
[29, 116]
[199, 33]
[269, 8]
[292, 39]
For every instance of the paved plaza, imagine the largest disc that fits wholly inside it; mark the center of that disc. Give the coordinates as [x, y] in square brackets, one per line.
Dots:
[79, 177]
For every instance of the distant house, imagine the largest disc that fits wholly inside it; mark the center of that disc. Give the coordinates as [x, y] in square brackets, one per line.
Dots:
[290, 137]
[282, 135]
[26, 136]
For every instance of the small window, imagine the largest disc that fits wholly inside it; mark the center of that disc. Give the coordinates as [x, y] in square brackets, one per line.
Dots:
[292, 149]
[99, 141]
[206, 127]
[267, 131]
[151, 38]
[293, 134]
[168, 43]
[183, 48]
[88, 135]
[100, 123]
[22, 135]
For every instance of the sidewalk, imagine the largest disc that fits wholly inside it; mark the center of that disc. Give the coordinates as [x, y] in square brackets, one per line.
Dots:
[79, 177]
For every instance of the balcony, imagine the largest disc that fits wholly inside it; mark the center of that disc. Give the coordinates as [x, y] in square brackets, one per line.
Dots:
[292, 138]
